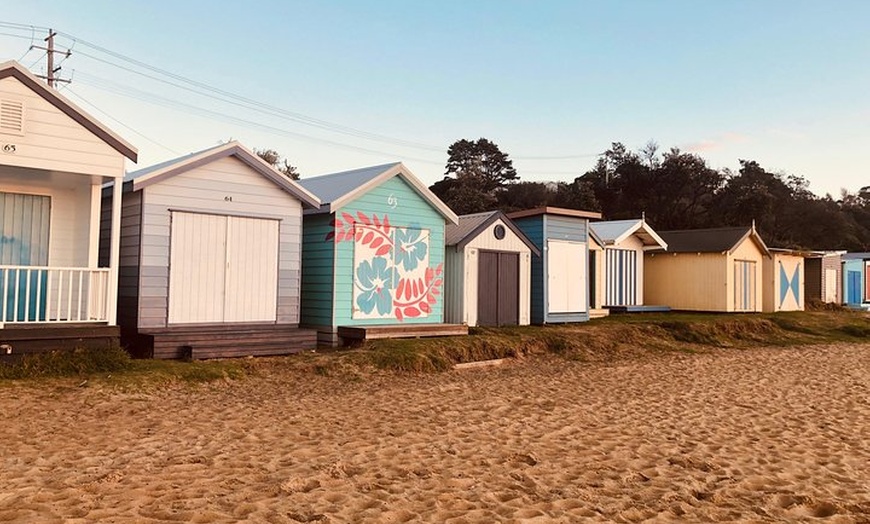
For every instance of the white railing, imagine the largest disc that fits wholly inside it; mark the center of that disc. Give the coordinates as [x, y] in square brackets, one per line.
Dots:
[37, 294]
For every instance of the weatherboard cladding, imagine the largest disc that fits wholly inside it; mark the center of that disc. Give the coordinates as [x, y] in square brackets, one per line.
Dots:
[412, 211]
[468, 247]
[65, 142]
[539, 228]
[226, 186]
[328, 278]
[853, 280]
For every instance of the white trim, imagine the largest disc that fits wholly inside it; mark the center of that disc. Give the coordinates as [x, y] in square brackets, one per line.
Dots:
[236, 149]
[394, 170]
[11, 64]
[114, 255]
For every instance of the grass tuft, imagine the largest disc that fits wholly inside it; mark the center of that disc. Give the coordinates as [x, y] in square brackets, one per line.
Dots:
[77, 362]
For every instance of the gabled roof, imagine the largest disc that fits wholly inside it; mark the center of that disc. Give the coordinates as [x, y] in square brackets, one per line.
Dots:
[715, 240]
[16, 70]
[470, 226]
[615, 231]
[338, 189]
[560, 211]
[151, 175]
[594, 236]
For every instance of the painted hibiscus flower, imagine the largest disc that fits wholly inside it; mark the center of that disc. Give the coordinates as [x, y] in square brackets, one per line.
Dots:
[411, 248]
[375, 279]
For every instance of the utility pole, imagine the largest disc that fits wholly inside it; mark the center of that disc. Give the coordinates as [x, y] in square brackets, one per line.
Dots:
[49, 75]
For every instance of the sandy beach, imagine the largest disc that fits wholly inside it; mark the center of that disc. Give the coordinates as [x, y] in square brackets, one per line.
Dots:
[756, 435]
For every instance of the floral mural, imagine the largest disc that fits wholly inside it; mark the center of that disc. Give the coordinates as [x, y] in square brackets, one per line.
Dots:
[392, 277]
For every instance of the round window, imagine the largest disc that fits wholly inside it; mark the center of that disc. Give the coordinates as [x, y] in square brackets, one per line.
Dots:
[498, 231]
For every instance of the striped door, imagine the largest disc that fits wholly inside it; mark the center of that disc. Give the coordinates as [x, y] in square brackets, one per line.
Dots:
[621, 274]
[744, 285]
[222, 269]
[24, 228]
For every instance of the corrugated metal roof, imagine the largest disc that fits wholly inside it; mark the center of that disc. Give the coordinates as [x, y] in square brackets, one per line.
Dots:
[615, 231]
[334, 186]
[157, 167]
[610, 230]
[467, 224]
[716, 240]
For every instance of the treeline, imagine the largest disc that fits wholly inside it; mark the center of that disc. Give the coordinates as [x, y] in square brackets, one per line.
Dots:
[674, 189]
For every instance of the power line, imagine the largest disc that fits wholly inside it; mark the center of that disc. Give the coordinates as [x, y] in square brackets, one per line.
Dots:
[204, 89]
[143, 96]
[117, 121]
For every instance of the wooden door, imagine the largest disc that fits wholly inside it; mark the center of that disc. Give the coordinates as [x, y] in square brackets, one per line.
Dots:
[566, 276]
[830, 285]
[24, 231]
[252, 270]
[508, 289]
[197, 268]
[222, 269]
[498, 288]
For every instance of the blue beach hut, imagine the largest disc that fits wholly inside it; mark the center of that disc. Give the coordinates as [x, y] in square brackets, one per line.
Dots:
[560, 279]
[856, 270]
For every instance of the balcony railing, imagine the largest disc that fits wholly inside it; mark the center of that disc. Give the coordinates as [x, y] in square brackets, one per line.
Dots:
[36, 294]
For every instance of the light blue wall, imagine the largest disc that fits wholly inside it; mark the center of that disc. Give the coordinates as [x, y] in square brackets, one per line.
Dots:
[327, 266]
[411, 210]
[317, 270]
[853, 288]
[539, 229]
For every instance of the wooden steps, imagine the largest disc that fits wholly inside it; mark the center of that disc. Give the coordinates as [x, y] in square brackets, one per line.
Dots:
[381, 331]
[224, 341]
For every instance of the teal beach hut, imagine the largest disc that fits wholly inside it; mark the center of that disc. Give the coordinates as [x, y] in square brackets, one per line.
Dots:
[373, 255]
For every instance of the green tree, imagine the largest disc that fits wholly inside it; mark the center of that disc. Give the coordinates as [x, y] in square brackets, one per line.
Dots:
[274, 159]
[476, 172]
[482, 162]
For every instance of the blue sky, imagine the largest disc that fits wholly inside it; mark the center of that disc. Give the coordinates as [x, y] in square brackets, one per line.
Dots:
[785, 83]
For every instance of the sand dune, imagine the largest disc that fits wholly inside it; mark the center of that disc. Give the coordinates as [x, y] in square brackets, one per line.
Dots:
[772, 434]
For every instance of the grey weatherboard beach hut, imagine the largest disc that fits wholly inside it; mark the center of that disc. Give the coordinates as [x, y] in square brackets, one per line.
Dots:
[211, 257]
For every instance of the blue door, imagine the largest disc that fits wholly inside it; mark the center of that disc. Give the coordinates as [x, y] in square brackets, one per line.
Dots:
[24, 225]
[853, 287]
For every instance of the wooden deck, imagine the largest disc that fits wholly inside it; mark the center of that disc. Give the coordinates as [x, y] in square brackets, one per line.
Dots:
[638, 309]
[220, 341]
[17, 341]
[401, 331]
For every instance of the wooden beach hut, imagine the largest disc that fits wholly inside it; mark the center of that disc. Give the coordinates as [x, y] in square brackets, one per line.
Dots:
[823, 276]
[487, 271]
[783, 275]
[707, 270]
[373, 256]
[560, 277]
[54, 159]
[211, 256]
[625, 242]
[856, 280]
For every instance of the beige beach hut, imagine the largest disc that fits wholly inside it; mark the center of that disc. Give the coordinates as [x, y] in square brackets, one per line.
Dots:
[707, 270]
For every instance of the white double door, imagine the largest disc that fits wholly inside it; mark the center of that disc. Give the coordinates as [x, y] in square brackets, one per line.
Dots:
[222, 269]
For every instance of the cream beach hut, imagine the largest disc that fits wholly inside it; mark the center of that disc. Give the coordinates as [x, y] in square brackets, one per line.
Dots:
[488, 266]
